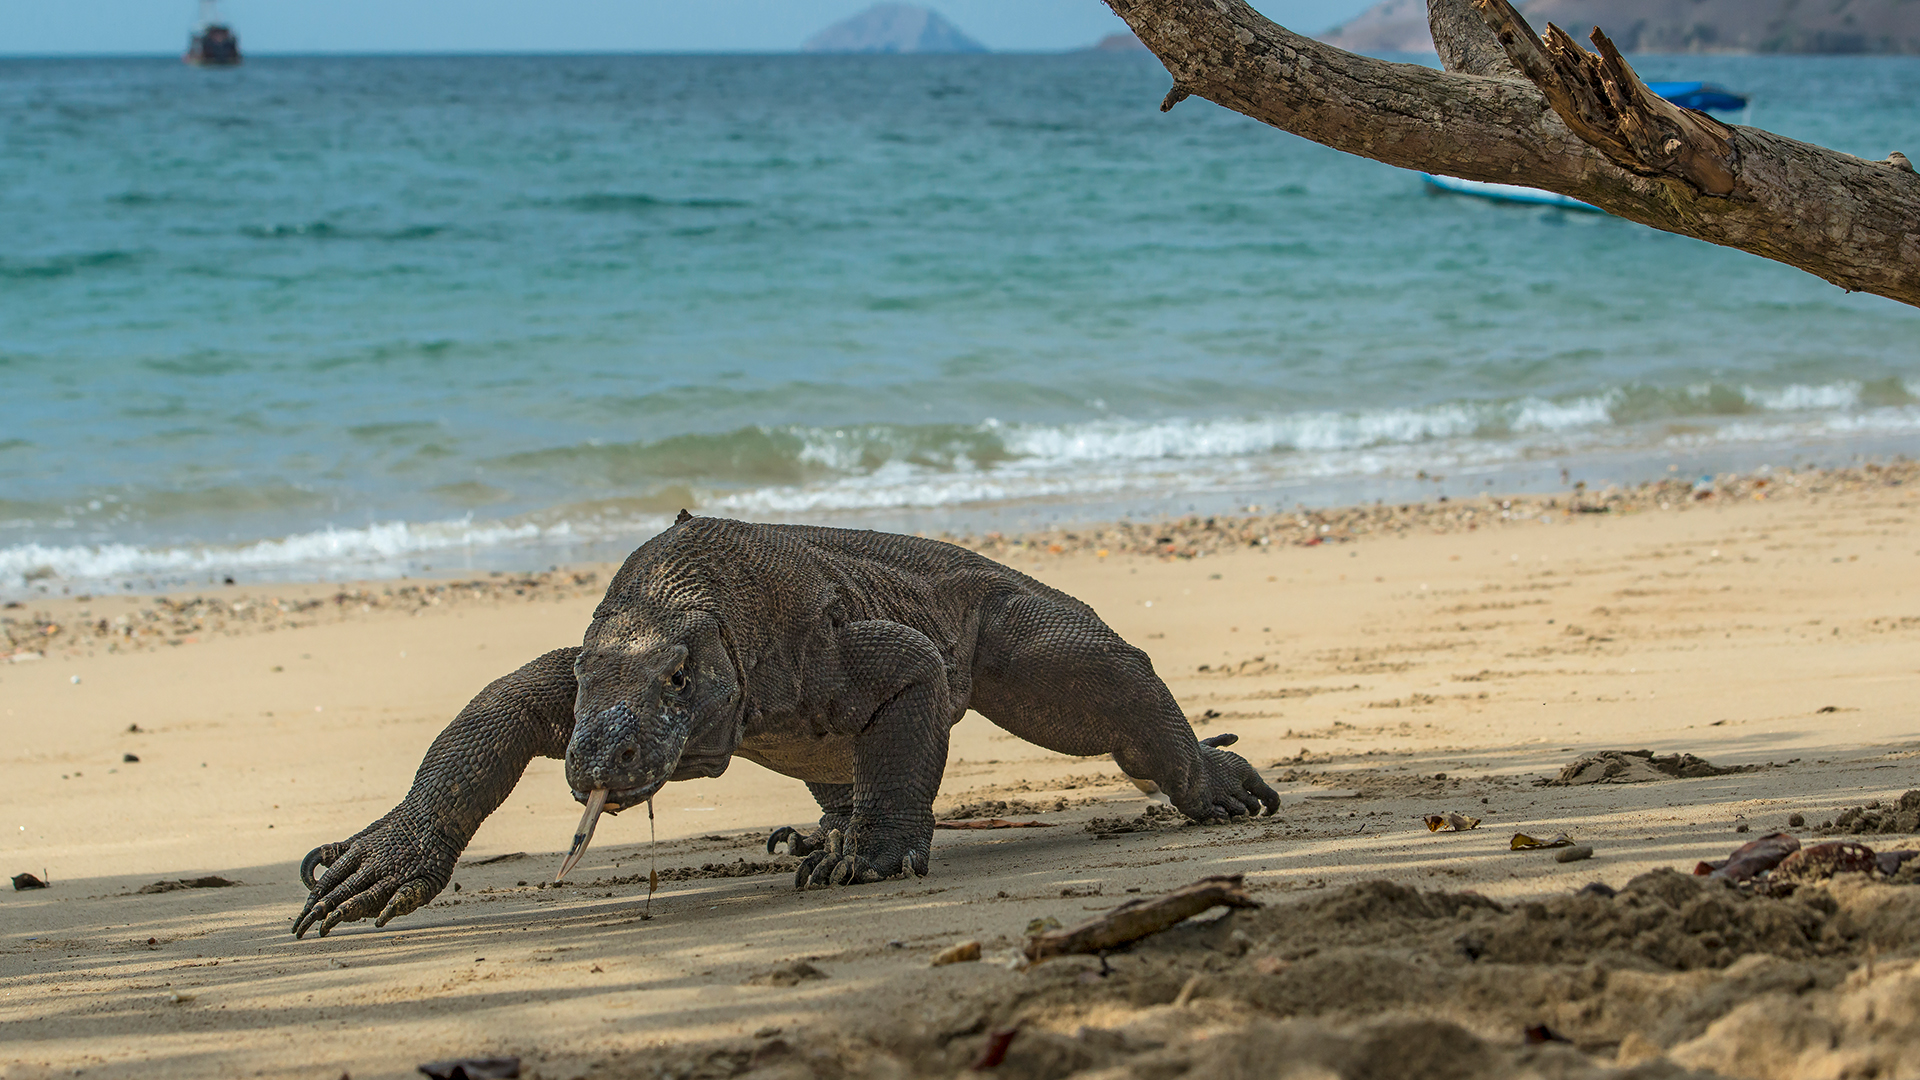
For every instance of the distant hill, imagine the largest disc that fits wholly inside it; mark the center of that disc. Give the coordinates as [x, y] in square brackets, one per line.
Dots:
[1389, 26]
[1746, 26]
[1123, 42]
[1673, 26]
[893, 28]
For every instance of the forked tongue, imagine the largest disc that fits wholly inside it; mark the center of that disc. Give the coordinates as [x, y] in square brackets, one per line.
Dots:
[596, 802]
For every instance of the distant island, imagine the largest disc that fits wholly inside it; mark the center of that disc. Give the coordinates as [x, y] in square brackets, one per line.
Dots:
[893, 28]
[1123, 42]
[1673, 26]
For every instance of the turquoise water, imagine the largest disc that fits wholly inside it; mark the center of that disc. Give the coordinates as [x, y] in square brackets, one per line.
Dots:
[321, 316]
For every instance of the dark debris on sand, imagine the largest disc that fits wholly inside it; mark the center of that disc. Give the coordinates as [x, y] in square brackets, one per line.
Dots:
[1196, 537]
[211, 881]
[1903, 816]
[1155, 817]
[1000, 808]
[171, 620]
[1640, 767]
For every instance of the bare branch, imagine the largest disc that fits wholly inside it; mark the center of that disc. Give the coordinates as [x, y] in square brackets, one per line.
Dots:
[1606, 104]
[1584, 126]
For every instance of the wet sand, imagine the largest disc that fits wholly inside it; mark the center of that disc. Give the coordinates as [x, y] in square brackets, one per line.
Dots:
[1375, 673]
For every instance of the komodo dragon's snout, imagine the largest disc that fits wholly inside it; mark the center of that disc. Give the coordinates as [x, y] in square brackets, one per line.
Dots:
[645, 714]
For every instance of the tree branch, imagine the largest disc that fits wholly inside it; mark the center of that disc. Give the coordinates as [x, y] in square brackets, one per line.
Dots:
[1606, 104]
[1855, 223]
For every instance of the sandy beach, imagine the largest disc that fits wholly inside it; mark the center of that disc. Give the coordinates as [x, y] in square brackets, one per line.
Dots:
[1378, 664]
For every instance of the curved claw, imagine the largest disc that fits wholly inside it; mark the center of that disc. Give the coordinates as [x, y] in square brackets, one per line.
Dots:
[324, 895]
[407, 899]
[788, 835]
[324, 855]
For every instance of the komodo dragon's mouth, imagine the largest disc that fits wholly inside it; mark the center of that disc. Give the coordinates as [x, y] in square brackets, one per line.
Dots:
[598, 800]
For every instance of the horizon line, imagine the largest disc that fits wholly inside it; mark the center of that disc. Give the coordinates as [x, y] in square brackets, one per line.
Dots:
[275, 53]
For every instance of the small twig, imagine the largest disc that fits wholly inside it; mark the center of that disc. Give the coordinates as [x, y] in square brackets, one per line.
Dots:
[653, 861]
[1142, 918]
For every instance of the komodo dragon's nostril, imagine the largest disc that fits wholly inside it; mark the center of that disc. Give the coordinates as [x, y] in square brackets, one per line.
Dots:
[627, 755]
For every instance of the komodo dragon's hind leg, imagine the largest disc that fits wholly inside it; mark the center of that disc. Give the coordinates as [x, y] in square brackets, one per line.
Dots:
[836, 804]
[1048, 670]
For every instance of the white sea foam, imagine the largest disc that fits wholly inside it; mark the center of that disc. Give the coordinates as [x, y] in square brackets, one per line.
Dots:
[1802, 398]
[1160, 458]
[331, 548]
[1187, 439]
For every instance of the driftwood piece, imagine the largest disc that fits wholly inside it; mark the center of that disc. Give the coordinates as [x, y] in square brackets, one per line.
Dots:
[1142, 918]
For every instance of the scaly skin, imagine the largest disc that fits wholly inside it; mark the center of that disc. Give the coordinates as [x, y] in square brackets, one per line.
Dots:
[839, 657]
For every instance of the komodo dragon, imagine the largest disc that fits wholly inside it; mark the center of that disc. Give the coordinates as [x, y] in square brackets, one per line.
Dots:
[839, 657]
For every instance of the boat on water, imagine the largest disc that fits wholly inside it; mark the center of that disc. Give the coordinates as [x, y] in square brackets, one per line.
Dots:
[1702, 96]
[213, 44]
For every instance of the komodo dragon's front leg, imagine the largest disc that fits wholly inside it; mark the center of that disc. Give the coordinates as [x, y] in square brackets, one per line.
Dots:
[888, 686]
[403, 860]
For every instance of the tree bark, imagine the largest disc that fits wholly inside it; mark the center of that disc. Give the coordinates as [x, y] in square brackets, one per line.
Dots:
[1465, 43]
[1550, 115]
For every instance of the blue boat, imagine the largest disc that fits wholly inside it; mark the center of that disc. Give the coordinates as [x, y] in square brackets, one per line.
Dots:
[1703, 96]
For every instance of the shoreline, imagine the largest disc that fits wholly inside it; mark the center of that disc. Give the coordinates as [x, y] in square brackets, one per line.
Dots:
[599, 532]
[174, 618]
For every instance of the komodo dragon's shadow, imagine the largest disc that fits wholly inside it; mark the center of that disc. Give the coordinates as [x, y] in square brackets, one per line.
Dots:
[839, 657]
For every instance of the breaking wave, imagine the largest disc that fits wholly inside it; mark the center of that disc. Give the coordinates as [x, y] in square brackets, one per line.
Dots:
[619, 493]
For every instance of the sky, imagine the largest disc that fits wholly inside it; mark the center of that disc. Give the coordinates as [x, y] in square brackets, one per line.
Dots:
[159, 27]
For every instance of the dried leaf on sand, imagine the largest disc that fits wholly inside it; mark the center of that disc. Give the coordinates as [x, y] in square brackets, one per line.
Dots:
[1751, 858]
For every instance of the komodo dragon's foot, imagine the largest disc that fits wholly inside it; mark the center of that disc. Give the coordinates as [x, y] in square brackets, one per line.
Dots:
[1229, 787]
[855, 858]
[390, 869]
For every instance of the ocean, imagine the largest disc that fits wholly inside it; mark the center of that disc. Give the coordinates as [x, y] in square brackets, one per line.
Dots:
[328, 317]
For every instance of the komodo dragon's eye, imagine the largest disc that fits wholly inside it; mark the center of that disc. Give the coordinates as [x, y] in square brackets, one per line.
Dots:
[678, 678]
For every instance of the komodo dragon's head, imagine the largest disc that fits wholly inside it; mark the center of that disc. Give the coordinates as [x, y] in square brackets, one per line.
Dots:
[657, 699]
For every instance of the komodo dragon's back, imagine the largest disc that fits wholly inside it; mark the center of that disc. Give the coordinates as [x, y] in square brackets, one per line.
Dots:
[776, 574]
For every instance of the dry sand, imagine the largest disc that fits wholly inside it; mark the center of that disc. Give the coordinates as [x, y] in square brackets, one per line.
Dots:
[1445, 665]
